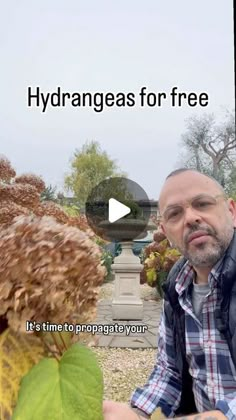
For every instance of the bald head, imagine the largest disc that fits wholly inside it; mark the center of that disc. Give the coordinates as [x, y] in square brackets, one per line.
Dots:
[191, 178]
[181, 170]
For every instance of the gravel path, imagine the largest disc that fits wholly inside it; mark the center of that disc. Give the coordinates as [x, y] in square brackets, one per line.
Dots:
[124, 369]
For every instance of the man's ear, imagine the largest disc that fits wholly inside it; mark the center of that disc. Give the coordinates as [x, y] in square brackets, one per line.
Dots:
[164, 231]
[232, 209]
[162, 228]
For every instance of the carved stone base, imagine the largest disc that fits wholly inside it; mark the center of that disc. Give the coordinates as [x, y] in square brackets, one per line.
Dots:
[126, 303]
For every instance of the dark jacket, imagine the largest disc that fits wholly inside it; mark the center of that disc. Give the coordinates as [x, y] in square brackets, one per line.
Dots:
[225, 319]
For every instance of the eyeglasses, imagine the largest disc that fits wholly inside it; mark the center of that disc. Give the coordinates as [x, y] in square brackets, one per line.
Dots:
[202, 203]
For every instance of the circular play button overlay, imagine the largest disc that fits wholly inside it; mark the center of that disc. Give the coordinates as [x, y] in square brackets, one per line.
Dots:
[118, 209]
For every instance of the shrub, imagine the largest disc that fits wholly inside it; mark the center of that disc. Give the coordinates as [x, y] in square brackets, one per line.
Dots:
[158, 259]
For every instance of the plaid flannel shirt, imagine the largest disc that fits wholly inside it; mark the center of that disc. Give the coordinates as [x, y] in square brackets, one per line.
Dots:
[208, 355]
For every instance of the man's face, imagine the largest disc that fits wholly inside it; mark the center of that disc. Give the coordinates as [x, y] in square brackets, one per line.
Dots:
[198, 220]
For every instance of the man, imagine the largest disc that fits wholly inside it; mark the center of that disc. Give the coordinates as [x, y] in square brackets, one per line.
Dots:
[196, 364]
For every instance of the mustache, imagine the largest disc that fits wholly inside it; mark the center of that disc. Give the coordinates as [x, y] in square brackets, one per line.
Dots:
[195, 228]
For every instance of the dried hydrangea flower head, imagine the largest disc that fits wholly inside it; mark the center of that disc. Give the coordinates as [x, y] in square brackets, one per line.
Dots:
[9, 210]
[6, 170]
[49, 208]
[48, 272]
[21, 196]
[33, 180]
[25, 195]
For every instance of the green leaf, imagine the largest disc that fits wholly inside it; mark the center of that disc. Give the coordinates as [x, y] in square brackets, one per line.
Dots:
[71, 389]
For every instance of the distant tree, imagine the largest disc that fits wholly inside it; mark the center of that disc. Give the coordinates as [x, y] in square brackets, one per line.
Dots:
[48, 194]
[210, 147]
[231, 186]
[89, 166]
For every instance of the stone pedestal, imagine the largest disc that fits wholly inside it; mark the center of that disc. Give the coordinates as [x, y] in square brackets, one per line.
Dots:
[126, 303]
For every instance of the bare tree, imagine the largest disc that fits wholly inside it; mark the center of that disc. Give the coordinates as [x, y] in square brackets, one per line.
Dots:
[210, 147]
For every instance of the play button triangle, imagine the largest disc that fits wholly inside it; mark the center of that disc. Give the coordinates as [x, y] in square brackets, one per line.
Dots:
[116, 210]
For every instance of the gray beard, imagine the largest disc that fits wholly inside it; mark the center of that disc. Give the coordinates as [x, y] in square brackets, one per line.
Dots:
[205, 255]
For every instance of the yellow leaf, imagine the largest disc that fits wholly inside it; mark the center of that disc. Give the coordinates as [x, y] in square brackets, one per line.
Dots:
[18, 353]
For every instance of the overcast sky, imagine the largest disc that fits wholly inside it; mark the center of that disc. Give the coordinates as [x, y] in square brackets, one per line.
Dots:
[110, 46]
